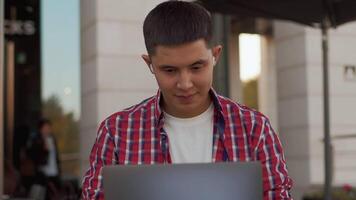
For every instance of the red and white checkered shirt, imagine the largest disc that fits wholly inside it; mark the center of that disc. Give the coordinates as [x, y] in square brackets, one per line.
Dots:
[136, 136]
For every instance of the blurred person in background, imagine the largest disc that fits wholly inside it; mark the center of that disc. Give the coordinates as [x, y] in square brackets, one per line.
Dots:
[44, 153]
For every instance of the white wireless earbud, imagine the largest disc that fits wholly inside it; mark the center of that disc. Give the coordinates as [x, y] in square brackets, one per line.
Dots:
[214, 60]
[151, 68]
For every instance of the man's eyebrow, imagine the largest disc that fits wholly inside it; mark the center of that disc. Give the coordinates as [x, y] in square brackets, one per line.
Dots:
[200, 61]
[166, 66]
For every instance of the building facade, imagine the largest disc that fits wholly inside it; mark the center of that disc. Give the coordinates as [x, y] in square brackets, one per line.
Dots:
[300, 102]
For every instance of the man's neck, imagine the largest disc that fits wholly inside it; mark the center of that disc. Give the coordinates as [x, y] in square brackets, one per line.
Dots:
[186, 114]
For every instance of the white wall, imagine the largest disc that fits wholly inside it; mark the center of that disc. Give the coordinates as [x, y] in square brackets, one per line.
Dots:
[342, 102]
[300, 105]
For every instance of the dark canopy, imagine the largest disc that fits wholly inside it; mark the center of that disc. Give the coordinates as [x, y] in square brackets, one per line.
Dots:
[308, 12]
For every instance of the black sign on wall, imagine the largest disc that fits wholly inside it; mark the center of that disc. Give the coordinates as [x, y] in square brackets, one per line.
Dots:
[22, 53]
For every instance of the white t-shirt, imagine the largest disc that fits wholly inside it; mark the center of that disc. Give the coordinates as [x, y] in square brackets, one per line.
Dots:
[50, 169]
[190, 139]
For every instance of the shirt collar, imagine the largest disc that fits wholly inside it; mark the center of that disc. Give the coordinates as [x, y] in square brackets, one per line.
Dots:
[157, 107]
[158, 111]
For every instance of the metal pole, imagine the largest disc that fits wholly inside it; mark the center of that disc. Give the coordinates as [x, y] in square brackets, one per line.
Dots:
[327, 149]
[1, 97]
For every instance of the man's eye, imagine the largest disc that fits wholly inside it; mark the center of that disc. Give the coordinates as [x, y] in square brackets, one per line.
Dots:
[196, 67]
[169, 70]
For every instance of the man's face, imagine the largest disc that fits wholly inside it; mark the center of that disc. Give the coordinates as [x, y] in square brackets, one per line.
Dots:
[184, 74]
[46, 129]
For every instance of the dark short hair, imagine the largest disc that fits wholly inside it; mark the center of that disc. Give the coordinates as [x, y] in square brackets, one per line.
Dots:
[176, 22]
[43, 122]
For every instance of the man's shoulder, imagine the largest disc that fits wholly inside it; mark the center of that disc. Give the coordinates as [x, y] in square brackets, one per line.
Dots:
[146, 105]
[233, 108]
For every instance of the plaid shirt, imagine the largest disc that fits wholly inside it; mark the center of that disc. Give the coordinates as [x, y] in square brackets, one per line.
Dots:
[136, 136]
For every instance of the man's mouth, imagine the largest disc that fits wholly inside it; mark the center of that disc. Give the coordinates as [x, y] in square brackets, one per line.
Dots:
[185, 97]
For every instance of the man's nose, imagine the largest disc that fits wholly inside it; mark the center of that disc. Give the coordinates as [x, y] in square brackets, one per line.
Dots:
[185, 81]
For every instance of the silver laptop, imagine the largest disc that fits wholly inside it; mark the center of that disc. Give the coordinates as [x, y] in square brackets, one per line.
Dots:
[210, 181]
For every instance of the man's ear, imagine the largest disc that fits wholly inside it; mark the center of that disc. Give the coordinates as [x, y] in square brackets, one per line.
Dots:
[148, 61]
[216, 51]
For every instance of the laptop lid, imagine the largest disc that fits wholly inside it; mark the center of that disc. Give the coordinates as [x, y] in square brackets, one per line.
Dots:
[205, 181]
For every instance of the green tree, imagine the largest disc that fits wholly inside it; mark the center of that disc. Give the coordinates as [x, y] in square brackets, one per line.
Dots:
[250, 93]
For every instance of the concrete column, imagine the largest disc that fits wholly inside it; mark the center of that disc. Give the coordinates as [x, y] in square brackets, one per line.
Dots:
[235, 85]
[300, 111]
[267, 83]
[113, 75]
[291, 65]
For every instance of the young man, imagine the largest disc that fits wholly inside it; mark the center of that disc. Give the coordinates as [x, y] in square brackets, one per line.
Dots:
[186, 121]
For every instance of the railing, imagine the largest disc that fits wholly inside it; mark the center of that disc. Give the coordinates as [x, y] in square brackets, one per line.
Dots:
[344, 136]
[69, 157]
[334, 154]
